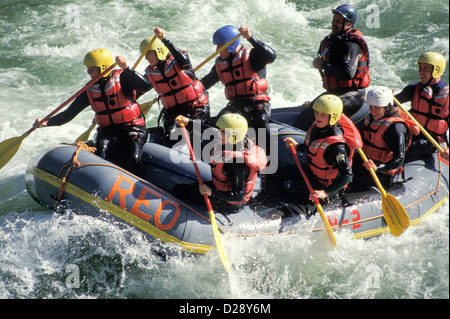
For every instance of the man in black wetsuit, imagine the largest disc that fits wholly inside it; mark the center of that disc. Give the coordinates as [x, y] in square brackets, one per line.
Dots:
[343, 63]
[243, 72]
[122, 131]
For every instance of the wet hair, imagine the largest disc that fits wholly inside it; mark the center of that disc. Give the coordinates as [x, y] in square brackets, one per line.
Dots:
[390, 110]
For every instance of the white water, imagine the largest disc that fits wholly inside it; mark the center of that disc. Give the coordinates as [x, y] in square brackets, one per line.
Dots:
[41, 66]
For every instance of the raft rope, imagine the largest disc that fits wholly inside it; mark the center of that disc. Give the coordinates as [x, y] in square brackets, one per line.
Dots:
[75, 163]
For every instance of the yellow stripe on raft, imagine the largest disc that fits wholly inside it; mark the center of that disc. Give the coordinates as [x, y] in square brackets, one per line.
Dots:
[120, 213]
[190, 247]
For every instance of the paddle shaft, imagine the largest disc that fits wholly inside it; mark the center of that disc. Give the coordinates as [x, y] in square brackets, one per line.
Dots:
[147, 48]
[223, 47]
[316, 201]
[372, 172]
[194, 162]
[422, 129]
[220, 249]
[87, 86]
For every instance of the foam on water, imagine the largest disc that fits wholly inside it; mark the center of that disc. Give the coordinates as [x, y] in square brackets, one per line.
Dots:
[38, 248]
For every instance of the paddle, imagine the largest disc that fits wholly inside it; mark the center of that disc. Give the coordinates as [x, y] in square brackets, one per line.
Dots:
[147, 48]
[223, 47]
[208, 203]
[316, 201]
[394, 213]
[424, 131]
[9, 147]
[85, 136]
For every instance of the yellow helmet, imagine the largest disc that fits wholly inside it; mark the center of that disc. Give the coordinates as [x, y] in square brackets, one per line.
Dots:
[329, 104]
[101, 58]
[235, 124]
[437, 60]
[157, 46]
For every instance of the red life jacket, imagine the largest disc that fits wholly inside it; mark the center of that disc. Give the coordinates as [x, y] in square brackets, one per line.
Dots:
[112, 107]
[324, 172]
[175, 87]
[431, 112]
[254, 157]
[375, 147]
[362, 77]
[240, 79]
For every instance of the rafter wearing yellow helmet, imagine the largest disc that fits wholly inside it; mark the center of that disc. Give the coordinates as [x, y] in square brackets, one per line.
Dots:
[429, 105]
[329, 148]
[121, 131]
[171, 74]
[100, 58]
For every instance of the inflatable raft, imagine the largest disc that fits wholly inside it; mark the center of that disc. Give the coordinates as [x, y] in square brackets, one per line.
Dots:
[71, 177]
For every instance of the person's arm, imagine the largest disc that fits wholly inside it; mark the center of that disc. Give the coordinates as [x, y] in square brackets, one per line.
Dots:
[336, 155]
[395, 138]
[181, 57]
[78, 105]
[211, 78]
[347, 65]
[407, 94]
[237, 173]
[131, 80]
[261, 54]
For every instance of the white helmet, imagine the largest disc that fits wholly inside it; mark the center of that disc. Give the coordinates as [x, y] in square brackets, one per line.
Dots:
[380, 96]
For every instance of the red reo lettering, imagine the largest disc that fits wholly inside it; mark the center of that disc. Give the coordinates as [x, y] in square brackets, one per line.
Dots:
[142, 201]
[125, 186]
[121, 190]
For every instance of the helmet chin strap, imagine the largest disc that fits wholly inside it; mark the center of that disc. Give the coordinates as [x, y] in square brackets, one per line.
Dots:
[343, 26]
[429, 81]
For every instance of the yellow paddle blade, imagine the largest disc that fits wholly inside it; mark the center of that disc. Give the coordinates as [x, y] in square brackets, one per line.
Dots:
[395, 215]
[85, 135]
[222, 256]
[145, 107]
[326, 223]
[9, 148]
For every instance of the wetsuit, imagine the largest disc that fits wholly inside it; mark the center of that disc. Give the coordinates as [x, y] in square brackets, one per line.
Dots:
[342, 64]
[113, 141]
[395, 137]
[237, 173]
